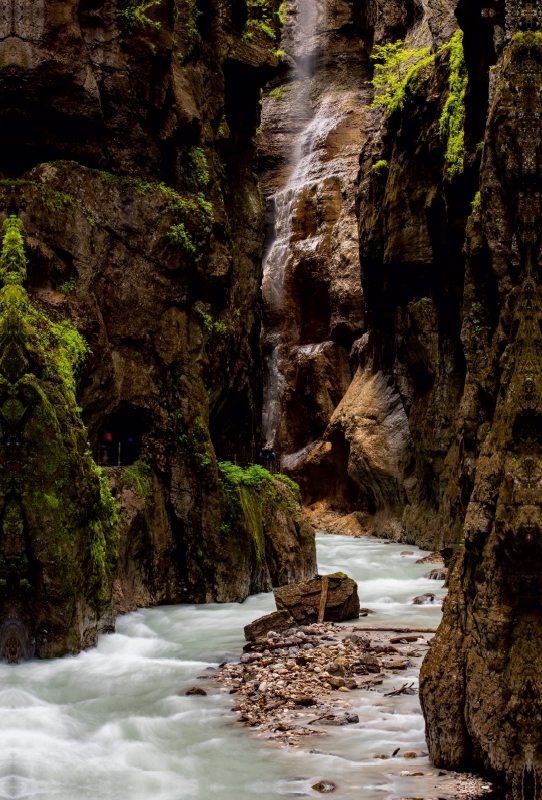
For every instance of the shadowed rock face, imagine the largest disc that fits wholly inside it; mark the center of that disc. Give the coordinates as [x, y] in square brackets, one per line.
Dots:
[481, 684]
[127, 145]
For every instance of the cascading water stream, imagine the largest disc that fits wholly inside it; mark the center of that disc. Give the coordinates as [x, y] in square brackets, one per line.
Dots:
[302, 36]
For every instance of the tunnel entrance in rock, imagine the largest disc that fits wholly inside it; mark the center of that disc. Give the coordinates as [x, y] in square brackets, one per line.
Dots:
[120, 439]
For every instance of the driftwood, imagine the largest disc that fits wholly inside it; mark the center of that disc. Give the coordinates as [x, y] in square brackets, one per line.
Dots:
[396, 630]
[406, 688]
[323, 599]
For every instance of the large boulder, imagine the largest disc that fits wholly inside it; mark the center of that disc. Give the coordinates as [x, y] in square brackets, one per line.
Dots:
[302, 600]
[277, 621]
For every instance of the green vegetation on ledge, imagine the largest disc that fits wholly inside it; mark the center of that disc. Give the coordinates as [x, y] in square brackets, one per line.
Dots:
[251, 495]
[134, 14]
[397, 73]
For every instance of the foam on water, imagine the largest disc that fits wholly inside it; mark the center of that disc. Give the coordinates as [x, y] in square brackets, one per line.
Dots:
[114, 724]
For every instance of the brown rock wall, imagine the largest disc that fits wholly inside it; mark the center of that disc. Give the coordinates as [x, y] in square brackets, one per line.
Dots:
[410, 231]
[481, 684]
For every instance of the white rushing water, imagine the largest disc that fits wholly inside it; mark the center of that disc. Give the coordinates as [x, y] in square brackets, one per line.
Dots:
[113, 723]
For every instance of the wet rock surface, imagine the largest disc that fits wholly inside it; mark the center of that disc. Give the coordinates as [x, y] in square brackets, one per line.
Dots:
[301, 668]
[277, 621]
[131, 141]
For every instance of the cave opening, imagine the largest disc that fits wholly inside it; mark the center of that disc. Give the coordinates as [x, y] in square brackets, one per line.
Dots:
[120, 438]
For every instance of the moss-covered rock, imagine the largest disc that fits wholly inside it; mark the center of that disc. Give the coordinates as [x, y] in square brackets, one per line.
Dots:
[266, 541]
[59, 520]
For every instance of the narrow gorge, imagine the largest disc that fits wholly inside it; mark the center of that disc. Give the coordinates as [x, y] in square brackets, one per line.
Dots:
[314, 225]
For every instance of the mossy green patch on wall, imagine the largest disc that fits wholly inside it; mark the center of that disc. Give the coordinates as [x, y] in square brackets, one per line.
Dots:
[452, 121]
[399, 72]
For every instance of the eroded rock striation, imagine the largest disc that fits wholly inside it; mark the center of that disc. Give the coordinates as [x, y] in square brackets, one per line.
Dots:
[59, 531]
[364, 269]
[427, 425]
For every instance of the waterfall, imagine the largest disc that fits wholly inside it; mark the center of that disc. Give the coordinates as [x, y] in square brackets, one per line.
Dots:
[311, 125]
[300, 37]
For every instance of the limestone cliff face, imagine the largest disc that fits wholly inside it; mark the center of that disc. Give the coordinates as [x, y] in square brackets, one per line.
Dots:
[128, 153]
[363, 282]
[312, 132]
[436, 437]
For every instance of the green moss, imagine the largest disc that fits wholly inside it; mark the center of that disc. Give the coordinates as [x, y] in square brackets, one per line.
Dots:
[133, 14]
[380, 167]
[397, 73]
[193, 214]
[283, 90]
[192, 442]
[51, 199]
[211, 326]
[140, 474]
[477, 202]
[69, 517]
[263, 26]
[192, 233]
[197, 169]
[452, 120]
[282, 13]
[68, 287]
[292, 486]
[252, 498]
[190, 14]
[202, 448]
[475, 312]
[261, 18]
[242, 491]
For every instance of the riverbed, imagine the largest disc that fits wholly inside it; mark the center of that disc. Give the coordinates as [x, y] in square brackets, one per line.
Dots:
[114, 724]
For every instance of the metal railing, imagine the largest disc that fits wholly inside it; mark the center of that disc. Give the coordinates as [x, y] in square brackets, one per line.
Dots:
[245, 459]
[113, 457]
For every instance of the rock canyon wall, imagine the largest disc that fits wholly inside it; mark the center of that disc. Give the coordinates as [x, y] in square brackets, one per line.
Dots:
[127, 159]
[365, 362]
[363, 275]
[481, 685]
